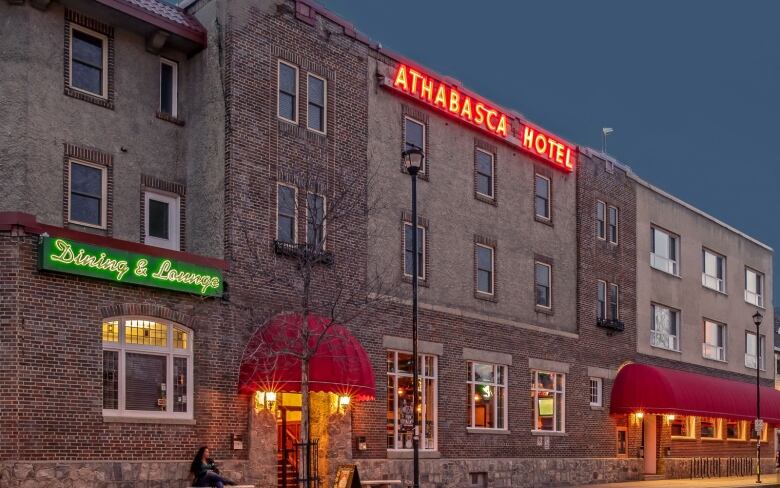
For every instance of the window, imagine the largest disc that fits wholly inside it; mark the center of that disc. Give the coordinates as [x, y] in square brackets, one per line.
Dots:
[543, 284]
[288, 92]
[613, 225]
[750, 351]
[735, 430]
[683, 426]
[147, 368]
[664, 330]
[663, 251]
[753, 433]
[317, 98]
[601, 312]
[161, 220]
[315, 221]
[414, 136]
[400, 405]
[542, 197]
[169, 87]
[714, 273]
[714, 346]
[88, 61]
[483, 162]
[614, 312]
[487, 399]
[754, 287]
[484, 269]
[601, 219]
[87, 205]
[409, 253]
[777, 364]
[547, 401]
[710, 428]
[286, 221]
[595, 392]
[622, 441]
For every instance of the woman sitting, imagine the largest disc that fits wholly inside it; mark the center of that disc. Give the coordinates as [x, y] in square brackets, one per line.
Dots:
[206, 472]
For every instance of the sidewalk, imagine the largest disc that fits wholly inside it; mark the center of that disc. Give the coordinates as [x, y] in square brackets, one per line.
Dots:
[768, 480]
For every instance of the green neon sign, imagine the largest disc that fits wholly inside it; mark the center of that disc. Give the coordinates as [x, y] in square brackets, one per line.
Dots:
[67, 256]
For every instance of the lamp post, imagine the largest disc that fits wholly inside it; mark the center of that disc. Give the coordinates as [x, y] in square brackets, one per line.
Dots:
[413, 160]
[757, 318]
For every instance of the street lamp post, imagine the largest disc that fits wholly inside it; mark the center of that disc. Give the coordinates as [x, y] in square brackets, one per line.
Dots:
[757, 318]
[413, 160]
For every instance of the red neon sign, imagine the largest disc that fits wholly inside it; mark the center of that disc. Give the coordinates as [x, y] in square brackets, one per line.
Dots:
[466, 108]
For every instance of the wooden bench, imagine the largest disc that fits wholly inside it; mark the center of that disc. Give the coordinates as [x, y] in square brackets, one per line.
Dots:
[382, 483]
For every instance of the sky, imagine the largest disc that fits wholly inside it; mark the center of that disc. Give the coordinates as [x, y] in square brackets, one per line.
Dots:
[692, 89]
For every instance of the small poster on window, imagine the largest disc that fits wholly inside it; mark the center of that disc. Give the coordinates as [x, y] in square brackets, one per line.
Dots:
[406, 422]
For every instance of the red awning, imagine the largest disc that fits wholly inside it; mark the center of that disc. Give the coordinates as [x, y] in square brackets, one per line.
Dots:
[340, 364]
[639, 387]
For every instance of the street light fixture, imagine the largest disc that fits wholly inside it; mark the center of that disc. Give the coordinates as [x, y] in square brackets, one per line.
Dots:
[413, 161]
[757, 318]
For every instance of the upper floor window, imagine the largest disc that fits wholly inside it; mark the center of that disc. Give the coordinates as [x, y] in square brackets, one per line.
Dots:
[750, 350]
[663, 251]
[88, 61]
[485, 281]
[754, 287]
[547, 401]
[286, 215]
[714, 271]
[317, 100]
[409, 251]
[414, 136]
[601, 219]
[614, 307]
[169, 87]
[288, 92]
[542, 197]
[601, 303]
[543, 284]
[487, 396]
[484, 166]
[315, 221]
[613, 225]
[161, 220]
[596, 392]
[664, 330]
[147, 368]
[714, 346]
[87, 191]
[400, 406]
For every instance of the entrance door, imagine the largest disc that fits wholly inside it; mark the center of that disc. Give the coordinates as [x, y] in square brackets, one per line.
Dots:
[650, 439]
[288, 433]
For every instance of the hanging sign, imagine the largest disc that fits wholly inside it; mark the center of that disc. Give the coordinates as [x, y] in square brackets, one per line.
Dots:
[447, 98]
[68, 256]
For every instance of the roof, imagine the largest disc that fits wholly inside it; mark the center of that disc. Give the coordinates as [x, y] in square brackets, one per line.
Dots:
[162, 15]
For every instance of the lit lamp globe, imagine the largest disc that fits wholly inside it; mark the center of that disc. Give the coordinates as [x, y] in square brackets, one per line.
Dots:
[757, 318]
[413, 160]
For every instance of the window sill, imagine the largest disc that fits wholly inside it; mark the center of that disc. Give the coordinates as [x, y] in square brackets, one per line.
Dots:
[486, 199]
[549, 433]
[406, 278]
[480, 430]
[409, 454]
[597, 407]
[722, 361]
[488, 297]
[680, 438]
[755, 305]
[677, 351]
[544, 310]
[544, 221]
[715, 290]
[117, 419]
[86, 97]
[169, 118]
[711, 439]
[666, 272]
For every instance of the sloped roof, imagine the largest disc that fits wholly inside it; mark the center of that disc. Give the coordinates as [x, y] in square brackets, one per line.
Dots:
[165, 16]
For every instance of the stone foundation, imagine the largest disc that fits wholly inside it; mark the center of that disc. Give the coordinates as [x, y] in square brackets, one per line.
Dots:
[683, 467]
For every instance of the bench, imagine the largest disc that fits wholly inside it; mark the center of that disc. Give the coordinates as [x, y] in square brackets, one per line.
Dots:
[382, 483]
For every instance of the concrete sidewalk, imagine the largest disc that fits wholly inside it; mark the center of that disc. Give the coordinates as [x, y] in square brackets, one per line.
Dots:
[768, 480]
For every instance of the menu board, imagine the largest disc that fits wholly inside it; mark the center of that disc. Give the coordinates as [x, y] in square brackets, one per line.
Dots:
[347, 477]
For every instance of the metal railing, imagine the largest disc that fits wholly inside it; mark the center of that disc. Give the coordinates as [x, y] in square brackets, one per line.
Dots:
[721, 467]
[307, 478]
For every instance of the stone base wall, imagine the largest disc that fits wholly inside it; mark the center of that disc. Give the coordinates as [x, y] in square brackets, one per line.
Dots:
[714, 467]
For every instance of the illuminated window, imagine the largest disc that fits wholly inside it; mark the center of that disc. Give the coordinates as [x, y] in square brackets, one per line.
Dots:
[88, 61]
[754, 287]
[683, 426]
[710, 428]
[735, 430]
[613, 225]
[596, 392]
[542, 197]
[764, 431]
[664, 328]
[161, 219]
[714, 346]
[484, 166]
[414, 137]
[714, 271]
[409, 253]
[169, 87]
[400, 405]
[485, 269]
[601, 219]
[147, 368]
[547, 401]
[315, 221]
[487, 398]
[543, 284]
[288, 92]
[87, 194]
[286, 214]
[663, 251]
[750, 351]
[622, 441]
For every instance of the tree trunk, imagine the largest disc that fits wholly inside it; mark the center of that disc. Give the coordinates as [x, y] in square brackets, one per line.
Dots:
[304, 463]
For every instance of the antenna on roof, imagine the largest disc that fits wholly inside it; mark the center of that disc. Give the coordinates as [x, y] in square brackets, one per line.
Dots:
[606, 131]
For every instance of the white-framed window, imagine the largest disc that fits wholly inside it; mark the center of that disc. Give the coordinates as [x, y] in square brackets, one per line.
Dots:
[601, 300]
[684, 427]
[315, 221]
[548, 401]
[487, 396]
[754, 287]
[414, 137]
[161, 219]
[409, 253]
[665, 327]
[664, 249]
[484, 166]
[596, 399]
[147, 368]
[614, 302]
[714, 345]
[750, 351]
[601, 220]
[710, 428]
[316, 115]
[287, 82]
[713, 271]
[543, 284]
[286, 214]
[400, 404]
[169, 87]
[87, 190]
[485, 269]
[542, 191]
[88, 58]
[612, 224]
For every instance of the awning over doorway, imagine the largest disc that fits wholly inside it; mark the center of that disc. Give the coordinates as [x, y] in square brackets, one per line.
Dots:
[650, 389]
[272, 361]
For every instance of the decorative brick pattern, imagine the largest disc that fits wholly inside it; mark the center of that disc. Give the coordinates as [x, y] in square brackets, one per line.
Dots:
[74, 17]
[94, 156]
[152, 183]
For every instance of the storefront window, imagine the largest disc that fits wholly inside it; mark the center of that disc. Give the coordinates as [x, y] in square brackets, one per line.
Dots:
[683, 426]
[487, 396]
[400, 401]
[622, 441]
[710, 428]
[734, 430]
[547, 401]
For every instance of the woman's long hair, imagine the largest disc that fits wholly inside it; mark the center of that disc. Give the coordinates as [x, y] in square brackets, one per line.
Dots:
[195, 466]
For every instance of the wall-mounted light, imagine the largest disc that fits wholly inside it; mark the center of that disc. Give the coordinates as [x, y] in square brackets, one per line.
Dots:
[343, 403]
[670, 418]
[640, 415]
[265, 400]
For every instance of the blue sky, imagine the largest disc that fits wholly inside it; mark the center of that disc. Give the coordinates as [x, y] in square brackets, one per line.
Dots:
[691, 88]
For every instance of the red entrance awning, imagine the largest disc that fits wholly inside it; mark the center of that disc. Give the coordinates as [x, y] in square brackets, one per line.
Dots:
[340, 364]
[650, 389]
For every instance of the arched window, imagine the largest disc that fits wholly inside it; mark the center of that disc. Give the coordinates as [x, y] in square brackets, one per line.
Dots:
[147, 368]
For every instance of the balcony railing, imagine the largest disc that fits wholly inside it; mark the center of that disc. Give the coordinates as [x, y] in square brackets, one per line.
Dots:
[664, 264]
[710, 351]
[754, 298]
[307, 252]
[612, 324]
[664, 340]
[712, 282]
